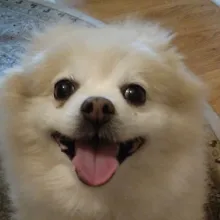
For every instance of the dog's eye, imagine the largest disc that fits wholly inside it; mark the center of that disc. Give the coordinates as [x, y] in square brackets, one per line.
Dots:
[63, 89]
[134, 94]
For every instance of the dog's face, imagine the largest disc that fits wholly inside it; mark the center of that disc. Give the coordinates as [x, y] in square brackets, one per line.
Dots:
[99, 107]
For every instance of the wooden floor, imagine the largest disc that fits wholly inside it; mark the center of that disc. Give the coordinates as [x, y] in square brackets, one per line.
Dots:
[197, 23]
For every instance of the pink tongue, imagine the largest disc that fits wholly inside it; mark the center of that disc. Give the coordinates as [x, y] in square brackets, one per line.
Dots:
[95, 167]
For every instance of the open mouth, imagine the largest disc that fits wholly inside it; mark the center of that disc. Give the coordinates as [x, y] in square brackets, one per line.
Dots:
[96, 160]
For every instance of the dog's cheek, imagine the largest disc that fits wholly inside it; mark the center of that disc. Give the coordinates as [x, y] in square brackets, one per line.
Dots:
[151, 122]
[63, 119]
[14, 94]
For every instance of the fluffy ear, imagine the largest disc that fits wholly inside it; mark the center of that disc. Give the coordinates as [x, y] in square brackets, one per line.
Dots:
[47, 37]
[150, 33]
[158, 37]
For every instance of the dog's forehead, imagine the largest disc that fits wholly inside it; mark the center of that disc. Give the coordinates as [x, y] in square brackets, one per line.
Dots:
[107, 64]
[133, 62]
[93, 59]
[90, 57]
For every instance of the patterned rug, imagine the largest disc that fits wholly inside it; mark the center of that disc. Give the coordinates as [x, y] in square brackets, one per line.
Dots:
[17, 19]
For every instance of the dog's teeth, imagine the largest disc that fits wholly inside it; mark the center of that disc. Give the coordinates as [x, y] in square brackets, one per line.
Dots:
[63, 147]
[134, 148]
[137, 143]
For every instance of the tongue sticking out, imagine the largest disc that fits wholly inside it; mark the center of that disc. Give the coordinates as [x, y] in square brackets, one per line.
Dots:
[95, 166]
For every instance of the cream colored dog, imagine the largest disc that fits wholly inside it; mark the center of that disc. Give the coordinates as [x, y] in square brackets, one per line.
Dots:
[104, 124]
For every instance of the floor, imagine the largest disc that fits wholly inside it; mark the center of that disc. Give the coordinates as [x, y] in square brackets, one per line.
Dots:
[197, 23]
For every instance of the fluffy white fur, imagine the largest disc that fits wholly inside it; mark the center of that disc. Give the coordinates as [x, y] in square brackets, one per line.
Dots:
[165, 180]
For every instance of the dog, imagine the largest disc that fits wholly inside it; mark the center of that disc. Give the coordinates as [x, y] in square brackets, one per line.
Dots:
[104, 124]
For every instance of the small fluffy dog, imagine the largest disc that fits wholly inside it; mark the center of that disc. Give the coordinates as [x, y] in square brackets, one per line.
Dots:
[104, 124]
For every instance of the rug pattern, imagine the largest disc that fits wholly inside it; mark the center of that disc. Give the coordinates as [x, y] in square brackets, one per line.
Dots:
[17, 19]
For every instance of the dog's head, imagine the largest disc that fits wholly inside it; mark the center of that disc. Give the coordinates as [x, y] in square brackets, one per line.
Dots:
[100, 107]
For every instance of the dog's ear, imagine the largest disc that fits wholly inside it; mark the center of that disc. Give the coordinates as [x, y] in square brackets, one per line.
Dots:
[149, 33]
[47, 37]
[158, 37]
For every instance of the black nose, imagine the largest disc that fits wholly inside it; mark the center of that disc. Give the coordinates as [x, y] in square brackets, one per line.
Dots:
[97, 110]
